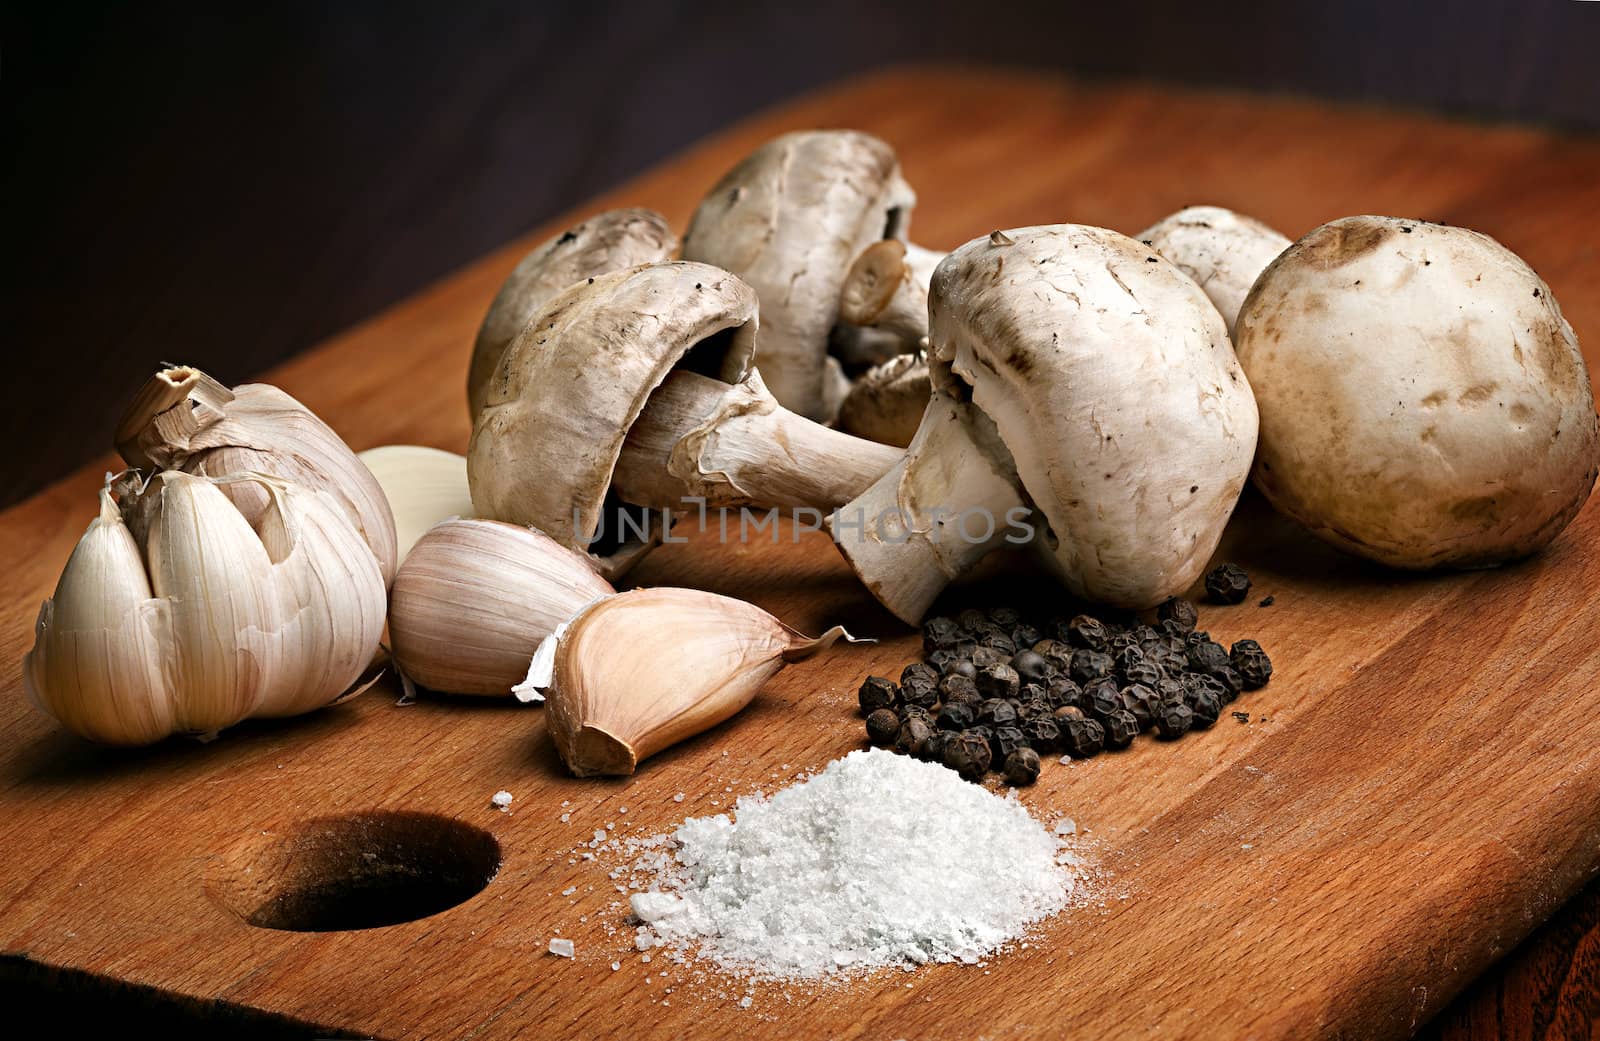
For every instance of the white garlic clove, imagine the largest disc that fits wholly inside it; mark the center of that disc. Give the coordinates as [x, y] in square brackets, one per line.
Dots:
[642, 670]
[474, 598]
[423, 485]
[96, 664]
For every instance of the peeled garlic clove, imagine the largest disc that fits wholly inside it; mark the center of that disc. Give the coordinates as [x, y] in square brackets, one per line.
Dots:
[183, 419]
[101, 632]
[474, 598]
[642, 670]
[423, 485]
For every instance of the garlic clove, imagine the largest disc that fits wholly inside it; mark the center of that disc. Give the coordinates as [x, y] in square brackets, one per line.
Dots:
[96, 664]
[423, 485]
[474, 598]
[211, 570]
[183, 419]
[643, 670]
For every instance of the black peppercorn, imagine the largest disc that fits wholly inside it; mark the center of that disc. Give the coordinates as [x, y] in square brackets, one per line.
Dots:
[1229, 677]
[1173, 720]
[966, 648]
[1058, 654]
[920, 691]
[1025, 636]
[996, 712]
[1032, 692]
[1121, 640]
[1005, 617]
[984, 657]
[1206, 706]
[1042, 732]
[1194, 684]
[998, 681]
[1101, 698]
[1090, 665]
[1208, 657]
[1086, 632]
[1143, 671]
[972, 618]
[1031, 666]
[1022, 767]
[1007, 740]
[940, 634]
[1169, 659]
[1126, 657]
[1180, 612]
[1066, 713]
[913, 732]
[968, 754]
[960, 667]
[955, 716]
[1120, 729]
[882, 727]
[940, 660]
[1083, 738]
[957, 689]
[1227, 584]
[1062, 691]
[1141, 703]
[877, 692]
[918, 671]
[1255, 668]
[1195, 638]
[933, 747]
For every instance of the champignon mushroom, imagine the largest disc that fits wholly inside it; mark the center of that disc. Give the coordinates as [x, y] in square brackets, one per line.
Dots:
[641, 381]
[1221, 250]
[789, 219]
[1085, 400]
[886, 404]
[607, 241]
[1423, 402]
[887, 288]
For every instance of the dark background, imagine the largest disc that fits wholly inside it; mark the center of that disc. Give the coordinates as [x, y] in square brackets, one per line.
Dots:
[226, 187]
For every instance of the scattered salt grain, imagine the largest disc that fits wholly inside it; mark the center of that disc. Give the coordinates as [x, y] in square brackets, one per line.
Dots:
[844, 872]
[501, 800]
[569, 890]
[562, 948]
[745, 1001]
[645, 958]
[616, 966]
[678, 797]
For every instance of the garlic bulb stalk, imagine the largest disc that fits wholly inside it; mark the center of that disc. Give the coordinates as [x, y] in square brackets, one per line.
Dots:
[183, 419]
[175, 615]
[473, 599]
[640, 671]
[423, 485]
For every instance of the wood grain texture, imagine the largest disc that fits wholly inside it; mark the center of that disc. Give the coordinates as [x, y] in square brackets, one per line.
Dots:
[1415, 793]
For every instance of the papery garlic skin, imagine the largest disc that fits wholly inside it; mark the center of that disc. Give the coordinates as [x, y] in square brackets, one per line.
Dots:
[474, 598]
[640, 671]
[214, 622]
[183, 419]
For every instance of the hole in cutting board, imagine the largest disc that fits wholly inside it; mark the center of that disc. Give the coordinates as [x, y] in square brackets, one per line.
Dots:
[360, 871]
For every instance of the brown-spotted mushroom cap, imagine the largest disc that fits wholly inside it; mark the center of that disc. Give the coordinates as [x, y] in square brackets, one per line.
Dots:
[1423, 401]
[1098, 379]
[578, 375]
[1221, 250]
[789, 220]
[608, 241]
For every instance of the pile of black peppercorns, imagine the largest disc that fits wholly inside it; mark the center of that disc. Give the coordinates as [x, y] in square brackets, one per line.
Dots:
[994, 690]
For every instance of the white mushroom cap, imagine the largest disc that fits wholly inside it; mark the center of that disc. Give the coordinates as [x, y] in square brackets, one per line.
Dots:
[789, 220]
[608, 241]
[1423, 401]
[1221, 250]
[1100, 377]
[573, 382]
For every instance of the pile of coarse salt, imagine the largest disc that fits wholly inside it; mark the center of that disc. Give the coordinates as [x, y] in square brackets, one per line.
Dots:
[879, 860]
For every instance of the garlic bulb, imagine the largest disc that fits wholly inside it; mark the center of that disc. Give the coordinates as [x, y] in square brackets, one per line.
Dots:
[642, 670]
[423, 485]
[474, 598]
[183, 419]
[175, 615]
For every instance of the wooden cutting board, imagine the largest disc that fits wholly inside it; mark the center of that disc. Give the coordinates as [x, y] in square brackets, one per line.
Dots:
[1414, 792]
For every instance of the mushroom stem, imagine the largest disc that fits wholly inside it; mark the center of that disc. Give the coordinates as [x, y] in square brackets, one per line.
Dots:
[916, 529]
[732, 444]
[887, 288]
